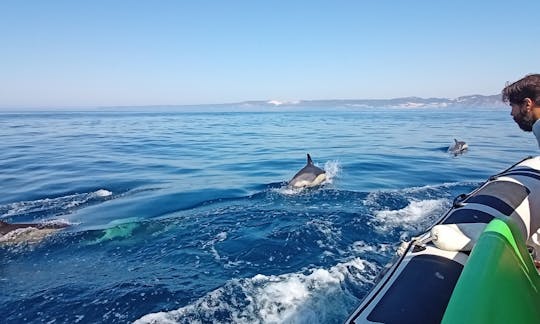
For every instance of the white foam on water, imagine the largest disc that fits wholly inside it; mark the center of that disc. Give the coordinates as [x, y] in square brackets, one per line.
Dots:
[332, 234]
[372, 197]
[211, 245]
[288, 191]
[102, 193]
[59, 204]
[325, 227]
[333, 169]
[313, 296]
[409, 216]
[444, 185]
[221, 236]
[361, 247]
[59, 221]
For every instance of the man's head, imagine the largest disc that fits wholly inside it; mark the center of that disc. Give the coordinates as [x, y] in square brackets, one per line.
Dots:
[524, 98]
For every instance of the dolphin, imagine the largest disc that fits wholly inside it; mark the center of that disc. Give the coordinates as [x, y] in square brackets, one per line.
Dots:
[28, 232]
[308, 176]
[458, 147]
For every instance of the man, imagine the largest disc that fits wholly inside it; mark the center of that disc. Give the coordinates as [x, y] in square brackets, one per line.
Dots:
[524, 98]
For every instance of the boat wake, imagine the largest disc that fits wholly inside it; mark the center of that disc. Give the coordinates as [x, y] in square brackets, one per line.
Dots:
[311, 296]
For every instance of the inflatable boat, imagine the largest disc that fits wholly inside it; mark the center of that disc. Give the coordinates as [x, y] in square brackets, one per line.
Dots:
[475, 265]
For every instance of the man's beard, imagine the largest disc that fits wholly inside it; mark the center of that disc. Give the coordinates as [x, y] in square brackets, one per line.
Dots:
[524, 122]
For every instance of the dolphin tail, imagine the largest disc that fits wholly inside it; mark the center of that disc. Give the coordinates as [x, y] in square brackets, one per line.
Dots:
[309, 161]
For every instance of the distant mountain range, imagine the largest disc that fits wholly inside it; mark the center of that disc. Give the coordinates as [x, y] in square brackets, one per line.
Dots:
[465, 102]
[473, 101]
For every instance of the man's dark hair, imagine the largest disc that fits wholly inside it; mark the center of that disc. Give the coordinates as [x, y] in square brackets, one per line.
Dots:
[527, 87]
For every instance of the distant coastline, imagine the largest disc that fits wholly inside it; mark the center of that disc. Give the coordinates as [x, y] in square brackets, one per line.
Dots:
[471, 101]
[465, 102]
[479, 101]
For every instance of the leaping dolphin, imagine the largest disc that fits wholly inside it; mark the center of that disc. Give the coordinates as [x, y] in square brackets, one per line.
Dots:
[308, 176]
[458, 147]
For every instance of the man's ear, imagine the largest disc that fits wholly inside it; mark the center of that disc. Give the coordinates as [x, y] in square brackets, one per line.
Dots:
[531, 106]
[528, 103]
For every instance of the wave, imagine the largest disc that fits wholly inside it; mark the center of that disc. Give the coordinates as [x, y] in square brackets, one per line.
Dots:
[402, 210]
[409, 211]
[411, 217]
[52, 206]
[328, 199]
[312, 296]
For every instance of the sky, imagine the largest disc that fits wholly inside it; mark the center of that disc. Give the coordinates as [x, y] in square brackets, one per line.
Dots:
[132, 53]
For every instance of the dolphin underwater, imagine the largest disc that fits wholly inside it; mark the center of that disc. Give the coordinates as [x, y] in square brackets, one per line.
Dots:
[458, 147]
[308, 176]
[29, 232]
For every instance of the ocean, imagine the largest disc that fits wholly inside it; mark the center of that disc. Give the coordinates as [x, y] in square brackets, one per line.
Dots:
[185, 217]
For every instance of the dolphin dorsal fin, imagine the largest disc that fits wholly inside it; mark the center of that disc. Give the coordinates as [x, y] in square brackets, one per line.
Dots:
[309, 161]
[455, 140]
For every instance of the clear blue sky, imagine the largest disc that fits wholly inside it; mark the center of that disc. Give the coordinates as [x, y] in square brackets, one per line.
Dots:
[101, 53]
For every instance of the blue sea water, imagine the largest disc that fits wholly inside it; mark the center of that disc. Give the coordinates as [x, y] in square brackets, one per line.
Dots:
[184, 217]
